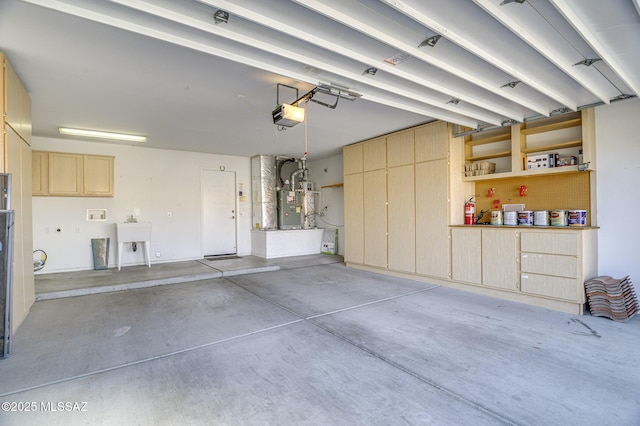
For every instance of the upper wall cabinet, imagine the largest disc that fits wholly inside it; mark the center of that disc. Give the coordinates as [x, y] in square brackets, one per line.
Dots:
[16, 103]
[431, 142]
[72, 175]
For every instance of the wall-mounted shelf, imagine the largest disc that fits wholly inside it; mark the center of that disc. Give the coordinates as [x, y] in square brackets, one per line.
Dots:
[565, 134]
[333, 185]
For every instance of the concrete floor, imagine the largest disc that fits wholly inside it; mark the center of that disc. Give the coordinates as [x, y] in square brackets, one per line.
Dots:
[317, 344]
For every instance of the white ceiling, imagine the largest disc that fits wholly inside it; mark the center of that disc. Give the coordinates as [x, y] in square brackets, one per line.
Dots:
[165, 69]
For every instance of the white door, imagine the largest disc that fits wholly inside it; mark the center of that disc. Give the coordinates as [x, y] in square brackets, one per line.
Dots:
[218, 212]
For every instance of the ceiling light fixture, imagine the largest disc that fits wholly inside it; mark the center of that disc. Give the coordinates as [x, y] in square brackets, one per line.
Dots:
[101, 135]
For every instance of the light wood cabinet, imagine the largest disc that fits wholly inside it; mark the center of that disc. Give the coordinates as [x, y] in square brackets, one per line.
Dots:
[400, 149]
[402, 221]
[17, 113]
[374, 154]
[550, 265]
[72, 175]
[353, 218]
[556, 264]
[40, 173]
[98, 175]
[65, 174]
[352, 159]
[375, 218]
[499, 258]
[404, 216]
[432, 205]
[15, 156]
[431, 142]
[466, 255]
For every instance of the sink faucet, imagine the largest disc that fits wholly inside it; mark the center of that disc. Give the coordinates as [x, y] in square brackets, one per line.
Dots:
[131, 219]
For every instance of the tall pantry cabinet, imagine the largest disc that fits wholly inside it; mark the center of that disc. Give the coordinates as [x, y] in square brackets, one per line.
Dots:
[396, 202]
[15, 158]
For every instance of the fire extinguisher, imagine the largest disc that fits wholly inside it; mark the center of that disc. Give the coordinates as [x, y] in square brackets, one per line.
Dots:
[470, 212]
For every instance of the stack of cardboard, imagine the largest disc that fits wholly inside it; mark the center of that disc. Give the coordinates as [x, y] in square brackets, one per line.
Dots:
[612, 298]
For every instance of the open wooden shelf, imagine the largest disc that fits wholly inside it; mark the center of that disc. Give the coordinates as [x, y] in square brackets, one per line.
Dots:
[489, 156]
[490, 139]
[333, 185]
[553, 147]
[553, 126]
[528, 172]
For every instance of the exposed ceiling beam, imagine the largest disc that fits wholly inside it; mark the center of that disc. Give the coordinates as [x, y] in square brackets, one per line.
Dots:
[383, 32]
[454, 26]
[301, 53]
[614, 35]
[246, 56]
[525, 21]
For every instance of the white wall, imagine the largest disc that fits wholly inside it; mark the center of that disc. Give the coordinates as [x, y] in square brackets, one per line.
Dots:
[149, 183]
[327, 172]
[618, 189]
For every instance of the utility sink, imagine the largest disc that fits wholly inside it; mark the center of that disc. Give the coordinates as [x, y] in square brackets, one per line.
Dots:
[129, 232]
[133, 232]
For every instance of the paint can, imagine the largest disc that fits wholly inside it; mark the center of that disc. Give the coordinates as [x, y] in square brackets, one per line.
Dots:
[510, 218]
[496, 217]
[525, 218]
[558, 218]
[577, 218]
[541, 218]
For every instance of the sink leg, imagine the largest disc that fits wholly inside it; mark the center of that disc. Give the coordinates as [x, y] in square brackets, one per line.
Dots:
[119, 255]
[147, 253]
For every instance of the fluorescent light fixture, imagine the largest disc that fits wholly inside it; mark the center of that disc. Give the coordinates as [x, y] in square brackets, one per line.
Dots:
[102, 135]
[288, 115]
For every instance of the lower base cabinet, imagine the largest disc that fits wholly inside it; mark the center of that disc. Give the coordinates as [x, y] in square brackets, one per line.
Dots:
[551, 264]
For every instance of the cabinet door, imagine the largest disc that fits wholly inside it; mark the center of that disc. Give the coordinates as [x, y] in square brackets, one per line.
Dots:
[400, 149]
[65, 174]
[499, 265]
[40, 173]
[431, 142]
[375, 218]
[401, 226]
[98, 175]
[466, 263]
[374, 154]
[352, 159]
[12, 94]
[353, 219]
[432, 232]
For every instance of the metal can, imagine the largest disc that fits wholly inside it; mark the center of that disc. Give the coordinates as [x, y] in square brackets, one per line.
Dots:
[496, 217]
[510, 218]
[525, 217]
[558, 218]
[541, 218]
[577, 218]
